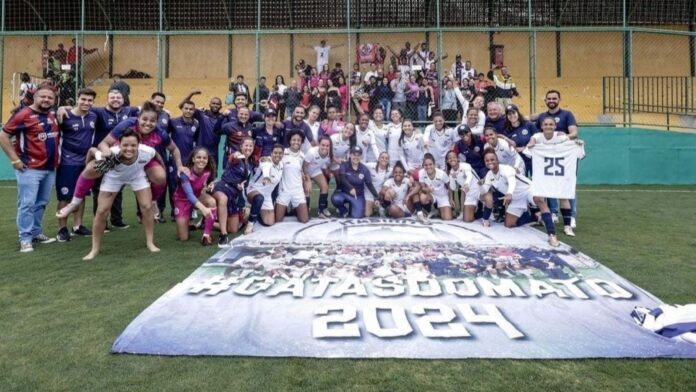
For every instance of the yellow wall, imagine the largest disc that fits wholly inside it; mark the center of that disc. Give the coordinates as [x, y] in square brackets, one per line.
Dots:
[192, 56]
[135, 52]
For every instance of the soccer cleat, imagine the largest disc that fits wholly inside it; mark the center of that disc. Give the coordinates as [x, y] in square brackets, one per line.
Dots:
[422, 218]
[194, 215]
[43, 239]
[223, 241]
[67, 210]
[572, 223]
[553, 241]
[486, 222]
[63, 235]
[206, 240]
[568, 230]
[120, 225]
[25, 247]
[324, 214]
[554, 217]
[249, 228]
[82, 231]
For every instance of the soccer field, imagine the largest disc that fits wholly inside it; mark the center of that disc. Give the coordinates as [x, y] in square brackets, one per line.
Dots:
[60, 315]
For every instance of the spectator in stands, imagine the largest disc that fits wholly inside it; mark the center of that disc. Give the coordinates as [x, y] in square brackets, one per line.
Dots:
[336, 73]
[484, 88]
[398, 87]
[344, 92]
[261, 95]
[505, 87]
[121, 86]
[279, 88]
[323, 50]
[355, 75]
[306, 98]
[424, 100]
[238, 86]
[411, 97]
[60, 54]
[384, 94]
[420, 57]
[34, 157]
[450, 97]
[371, 73]
[457, 69]
[292, 97]
[26, 90]
[404, 56]
[76, 51]
[469, 71]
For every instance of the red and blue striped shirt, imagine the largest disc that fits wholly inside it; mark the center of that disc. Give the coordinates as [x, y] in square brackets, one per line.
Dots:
[37, 140]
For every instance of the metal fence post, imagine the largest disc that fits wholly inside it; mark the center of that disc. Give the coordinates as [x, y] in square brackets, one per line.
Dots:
[2, 59]
[438, 17]
[160, 47]
[258, 55]
[532, 61]
[350, 98]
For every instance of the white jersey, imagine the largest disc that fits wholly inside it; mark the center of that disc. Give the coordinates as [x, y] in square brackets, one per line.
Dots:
[507, 155]
[439, 182]
[464, 177]
[368, 142]
[128, 173]
[506, 181]
[400, 190]
[291, 180]
[557, 138]
[322, 56]
[266, 170]
[378, 176]
[315, 162]
[341, 147]
[380, 136]
[439, 142]
[677, 322]
[411, 151]
[306, 145]
[393, 148]
[554, 169]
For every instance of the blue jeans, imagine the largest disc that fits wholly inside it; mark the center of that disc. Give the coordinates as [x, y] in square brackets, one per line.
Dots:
[356, 204]
[422, 113]
[289, 110]
[33, 193]
[386, 106]
[553, 206]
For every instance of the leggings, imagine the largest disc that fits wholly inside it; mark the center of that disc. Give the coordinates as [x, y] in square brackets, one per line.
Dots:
[356, 204]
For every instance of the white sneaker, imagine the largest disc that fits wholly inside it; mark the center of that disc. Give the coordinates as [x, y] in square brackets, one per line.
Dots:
[555, 218]
[486, 222]
[324, 214]
[26, 247]
[67, 210]
[460, 216]
[572, 223]
[382, 212]
[568, 230]
[249, 228]
[422, 218]
[553, 241]
[194, 215]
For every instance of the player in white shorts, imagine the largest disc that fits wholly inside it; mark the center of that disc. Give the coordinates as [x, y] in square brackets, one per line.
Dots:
[291, 189]
[380, 129]
[507, 155]
[393, 136]
[261, 186]
[129, 169]
[366, 139]
[398, 192]
[313, 121]
[434, 189]
[463, 178]
[316, 160]
[380, 172]
[342, 143]
[515, 188]
[411, 149]
[438, 139]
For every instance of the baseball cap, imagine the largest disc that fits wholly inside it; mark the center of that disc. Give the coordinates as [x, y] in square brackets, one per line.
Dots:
[512, 108]
[463, 129]
[356, 150]
[271, 113]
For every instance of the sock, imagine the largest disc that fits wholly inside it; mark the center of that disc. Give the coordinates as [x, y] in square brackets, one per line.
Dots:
[487, 213]
[428, 207]
[524, 219]
[82, 188]
[323, 201]
[158, 191]
[307, 200]
[210, 222]
[548, 222]
[567, 214]
[418, 206]
[256, 204]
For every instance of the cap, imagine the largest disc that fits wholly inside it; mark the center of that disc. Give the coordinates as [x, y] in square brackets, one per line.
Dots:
[512, 108]
[271, 113]
[356, 150]
[463, 129]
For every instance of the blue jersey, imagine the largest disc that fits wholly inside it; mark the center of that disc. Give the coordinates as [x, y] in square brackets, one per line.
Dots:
[264, 141]
[354, 179]
[183, 135]
[77, 133]
[498, 124]
[564, 119]
[303, 126]
[157, 139]
[107, 120]
[235, 132]
[237, 171]
[521, 136]
[472, 155]
[208, 130]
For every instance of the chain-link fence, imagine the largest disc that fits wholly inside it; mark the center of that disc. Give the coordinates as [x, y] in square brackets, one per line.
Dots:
[616, 63]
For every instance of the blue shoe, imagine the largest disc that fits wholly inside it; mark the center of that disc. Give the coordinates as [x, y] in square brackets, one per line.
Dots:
[63, 235]
[82, 231]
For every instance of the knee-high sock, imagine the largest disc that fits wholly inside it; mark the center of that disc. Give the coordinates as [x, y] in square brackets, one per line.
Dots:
[158, 190]
[82, 188]
[567, 214]
[210, 222]
[524, 219]
[428, 207]
[256, 204]
[323, 201]
[548, 222]
[487, 212]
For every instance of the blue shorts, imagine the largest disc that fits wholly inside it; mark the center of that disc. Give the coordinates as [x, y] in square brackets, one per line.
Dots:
[66, 179]
[232, 194]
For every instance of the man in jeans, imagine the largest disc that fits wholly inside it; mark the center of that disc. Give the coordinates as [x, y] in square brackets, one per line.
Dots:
[34, 157]
[398, 86]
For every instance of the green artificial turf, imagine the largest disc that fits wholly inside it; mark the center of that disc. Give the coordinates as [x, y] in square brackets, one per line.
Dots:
[59, 315]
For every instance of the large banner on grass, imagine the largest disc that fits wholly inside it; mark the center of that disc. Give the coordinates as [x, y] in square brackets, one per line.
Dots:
[397, 288]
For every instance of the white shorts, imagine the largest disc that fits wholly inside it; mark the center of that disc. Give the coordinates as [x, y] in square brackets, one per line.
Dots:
[441, 200]
[472, 197]
[290, 198]
[113, 182]
[520, 205]
[316, 171]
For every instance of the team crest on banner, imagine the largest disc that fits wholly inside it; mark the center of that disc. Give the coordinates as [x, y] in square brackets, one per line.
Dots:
[373, 288]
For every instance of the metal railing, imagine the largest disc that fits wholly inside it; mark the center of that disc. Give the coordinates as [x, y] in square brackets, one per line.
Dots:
[648, 94]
